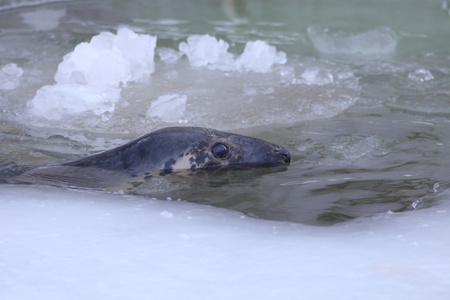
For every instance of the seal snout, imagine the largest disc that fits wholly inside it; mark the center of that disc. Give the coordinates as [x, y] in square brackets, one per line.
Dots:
[283, 155]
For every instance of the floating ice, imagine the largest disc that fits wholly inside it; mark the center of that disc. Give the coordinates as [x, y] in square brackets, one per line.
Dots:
[9, 76]
[205, 50]
[315, 76]
[259, 57]
[109, 60]
[55, 101]
[378, 41]
[43, 19]
[90, 77]
[168, 55]
[421, 75]
[168, 108]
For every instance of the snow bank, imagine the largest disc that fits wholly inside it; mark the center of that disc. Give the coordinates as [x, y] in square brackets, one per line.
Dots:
[84, 245]
[90, 78]
[378, 41]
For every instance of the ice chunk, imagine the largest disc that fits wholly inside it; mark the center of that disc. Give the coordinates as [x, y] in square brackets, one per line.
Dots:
[109, 60]
[9, 76]
[43, 19]
[55, 101]
[90, 77]
[421, 75]
[168, 108]
[259, 56]
[207, 51]
[315, 76]
[168, 55]
[378, 41]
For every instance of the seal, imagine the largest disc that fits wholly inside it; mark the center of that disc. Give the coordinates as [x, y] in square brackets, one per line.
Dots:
[165, 151]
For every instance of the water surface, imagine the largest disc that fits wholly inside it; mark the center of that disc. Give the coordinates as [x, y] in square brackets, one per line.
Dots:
[367, 127]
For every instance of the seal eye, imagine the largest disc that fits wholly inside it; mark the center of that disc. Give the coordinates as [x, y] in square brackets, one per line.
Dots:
[220, 151]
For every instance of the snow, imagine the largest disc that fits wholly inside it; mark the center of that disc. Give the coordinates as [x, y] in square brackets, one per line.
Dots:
[379, 41]
[89, 245]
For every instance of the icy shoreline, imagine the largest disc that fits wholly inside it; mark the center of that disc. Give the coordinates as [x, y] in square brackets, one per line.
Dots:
[92, 245]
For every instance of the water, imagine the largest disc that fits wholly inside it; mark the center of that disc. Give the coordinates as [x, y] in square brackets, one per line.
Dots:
[361, 108]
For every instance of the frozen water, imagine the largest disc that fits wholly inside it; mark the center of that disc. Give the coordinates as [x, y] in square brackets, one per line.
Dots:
[168, 55]
[43, 19]
[168, 108]
[9, 76]
[377, 41]
[85, 245]
[90, 77]
[109, 60]
[92, 81]
[259, 57]
[421, 75]
[56, 101]
[315, 76]
[207, 51]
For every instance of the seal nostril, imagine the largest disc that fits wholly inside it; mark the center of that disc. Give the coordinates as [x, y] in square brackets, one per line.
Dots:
[283, 154]
[285, 157]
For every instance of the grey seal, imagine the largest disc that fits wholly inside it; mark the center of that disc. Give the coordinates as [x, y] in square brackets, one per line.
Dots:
[160, 152]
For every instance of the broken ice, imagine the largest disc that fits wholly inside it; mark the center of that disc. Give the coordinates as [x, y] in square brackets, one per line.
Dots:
[90, 77]
[9, 76]
[377, 41]
[168, 108]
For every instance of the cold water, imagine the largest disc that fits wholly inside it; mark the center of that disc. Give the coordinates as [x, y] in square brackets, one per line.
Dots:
[358, 94]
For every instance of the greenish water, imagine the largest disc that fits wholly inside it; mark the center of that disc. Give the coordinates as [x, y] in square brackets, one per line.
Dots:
[368, 132]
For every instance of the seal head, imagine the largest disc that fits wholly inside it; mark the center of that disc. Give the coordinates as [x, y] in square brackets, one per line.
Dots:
[176, 148]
